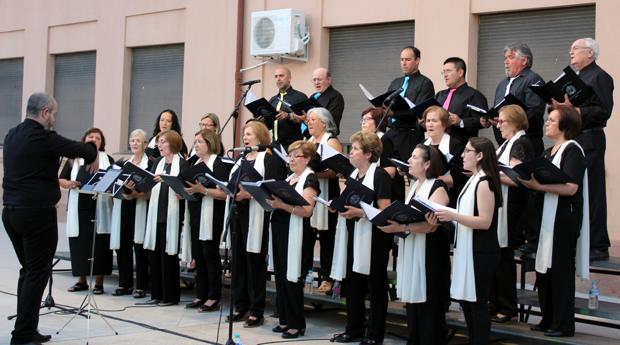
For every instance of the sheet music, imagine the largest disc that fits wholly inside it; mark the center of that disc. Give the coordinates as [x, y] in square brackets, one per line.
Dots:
[281, 152]
[366, 93]
[371, 212]
[559, 77]
[322, 201]
[409, 102]
[220, 184]
[329, 152]
[250, 97]
[474, 108]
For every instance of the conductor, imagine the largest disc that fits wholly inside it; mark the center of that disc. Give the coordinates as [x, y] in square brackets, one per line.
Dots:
[32, 152]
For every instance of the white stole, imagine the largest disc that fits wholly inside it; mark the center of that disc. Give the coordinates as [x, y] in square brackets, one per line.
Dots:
[256, 213]
[139, 220]
[103, 207]
[320, 216]
[411, 261]
[172, 221]
[463, 285]
[362, 237]
[295, 234]
[502, 213]
[544, 253]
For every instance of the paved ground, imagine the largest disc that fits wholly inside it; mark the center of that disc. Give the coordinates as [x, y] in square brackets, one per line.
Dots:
[174, 325]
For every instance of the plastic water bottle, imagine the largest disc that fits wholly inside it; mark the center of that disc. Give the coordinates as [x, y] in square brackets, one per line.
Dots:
[336, 291]
[309, 281]
[593, 298]
[237, 339]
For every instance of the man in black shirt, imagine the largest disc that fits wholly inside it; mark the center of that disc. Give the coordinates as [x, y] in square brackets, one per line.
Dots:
[518, 60]
[594, 115]
[32, 155]
[417, 88]
[465, 123]
[286, 127]
[327, 96]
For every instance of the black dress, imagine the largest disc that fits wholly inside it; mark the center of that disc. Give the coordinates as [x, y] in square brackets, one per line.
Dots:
[81, 247]
[207, 253]
[127, 249]
[165, 271]
[356, 285]
[290, 297]
[556, 288]
[486, 258]
[426, 322]
[249, 273]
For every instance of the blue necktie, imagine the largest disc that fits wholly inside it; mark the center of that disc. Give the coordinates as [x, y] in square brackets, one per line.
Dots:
[405, 85]
[317, 95]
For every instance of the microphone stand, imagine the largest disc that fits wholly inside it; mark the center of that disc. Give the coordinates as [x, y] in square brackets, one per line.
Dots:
[385, 113]
[232, 212]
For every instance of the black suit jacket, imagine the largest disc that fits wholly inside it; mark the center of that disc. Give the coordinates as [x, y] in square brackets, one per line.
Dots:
[461, 97]
[597, 109]
[288, 131]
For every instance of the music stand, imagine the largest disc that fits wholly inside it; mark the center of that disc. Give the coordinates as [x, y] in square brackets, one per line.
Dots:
[97, 185]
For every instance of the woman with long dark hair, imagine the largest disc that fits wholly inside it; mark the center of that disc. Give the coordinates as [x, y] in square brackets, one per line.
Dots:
[476, 251]
[166, 120]
[81, 211]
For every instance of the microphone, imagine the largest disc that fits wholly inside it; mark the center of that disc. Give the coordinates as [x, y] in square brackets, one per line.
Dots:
[392, 95]
[250, 82]
[248, 149]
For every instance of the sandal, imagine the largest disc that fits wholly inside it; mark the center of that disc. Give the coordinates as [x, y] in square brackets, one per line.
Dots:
[98, 290]
[122, 291]
[138, 293]
[79, 286]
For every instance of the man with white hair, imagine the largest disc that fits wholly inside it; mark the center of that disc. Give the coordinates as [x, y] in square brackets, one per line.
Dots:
[594, 115]
[518, 61]
[327, 96]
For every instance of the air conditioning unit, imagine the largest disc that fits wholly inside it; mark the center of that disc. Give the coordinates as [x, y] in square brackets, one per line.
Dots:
[278, 32]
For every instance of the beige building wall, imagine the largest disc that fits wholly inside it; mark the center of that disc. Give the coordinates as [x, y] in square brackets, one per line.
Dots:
[37, 29]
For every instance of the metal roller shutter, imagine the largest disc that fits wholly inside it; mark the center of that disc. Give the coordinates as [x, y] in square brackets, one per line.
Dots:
[548, 33]
[74, 90]
[11, 80]
[156, 84]
[368, 55]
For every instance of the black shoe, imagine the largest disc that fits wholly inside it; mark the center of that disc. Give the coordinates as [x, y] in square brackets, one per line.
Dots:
[251, 323]
[370, 341]
[122, 291]
[194, 304]
[599, 254]
[42, 338]
[236, 317]
[344, 338]
[538, 328]
[150, 302]
[32, 342]
[166, 304]
[289, 335]
[279, 329]
[552, 333]
[501, 319]
[207, 308]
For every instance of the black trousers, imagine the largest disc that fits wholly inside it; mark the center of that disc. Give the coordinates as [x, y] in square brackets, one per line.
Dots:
[124, 254]
[142, 267]
[426, 322]
[249, 275]
[357, 285]
[290, 296]
[208, 266]
[327, 238]
[165, 271]
[34, 235]
[503, 294]
[594, 143]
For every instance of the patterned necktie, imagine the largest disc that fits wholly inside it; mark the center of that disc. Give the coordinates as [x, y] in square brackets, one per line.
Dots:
[446, 103]
[405, 86]
[275, 122]
[317, 95]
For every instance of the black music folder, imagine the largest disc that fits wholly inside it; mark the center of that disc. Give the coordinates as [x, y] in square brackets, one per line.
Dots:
[397, 211]
[142, 178]
[353, 193]
[178, 186]
[89, 186]
[118, 187]
[262, 191]
[223, 185]
[494, 112]
[197, 173]
[248, 174]
[305, 105]
[261, 108]
[417, 111]
[334, 160]
[543, 169]
[400, 103]
[568, 83]
[400, 165]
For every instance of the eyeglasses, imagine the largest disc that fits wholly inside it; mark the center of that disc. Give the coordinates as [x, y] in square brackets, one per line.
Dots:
[467, 150]
[366, 119]
[500, 122]
[297, 156]
[573, 48]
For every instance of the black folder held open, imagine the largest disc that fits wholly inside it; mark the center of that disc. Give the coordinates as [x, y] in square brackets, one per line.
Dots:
[353, 193]
[567, 83]
[262, 191]
[543, 169]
